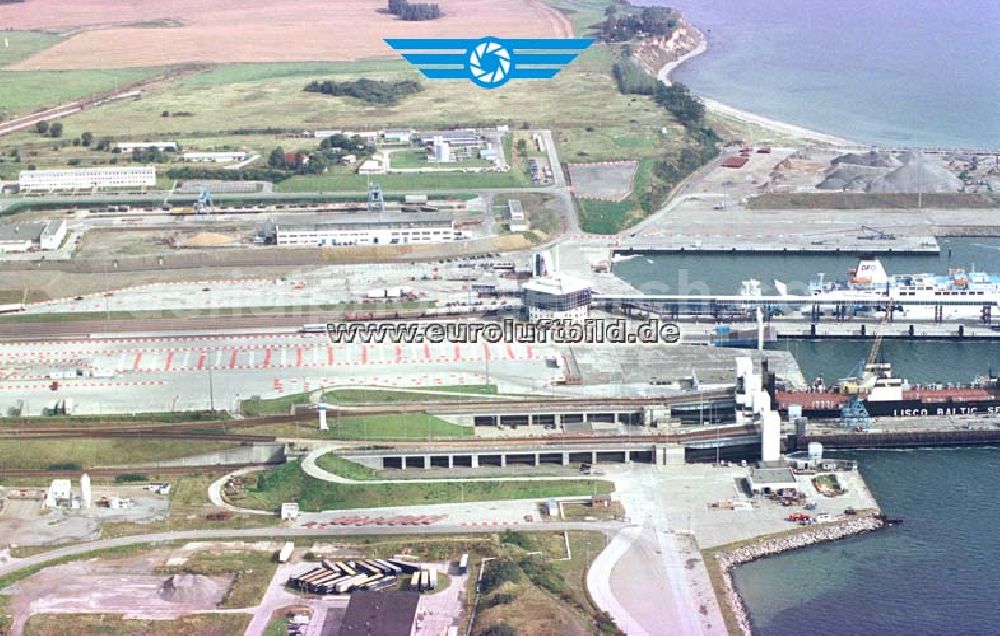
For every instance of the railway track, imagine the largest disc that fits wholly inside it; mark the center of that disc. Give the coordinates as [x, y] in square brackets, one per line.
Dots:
[114, 472]
[203, 429]
[141, 434]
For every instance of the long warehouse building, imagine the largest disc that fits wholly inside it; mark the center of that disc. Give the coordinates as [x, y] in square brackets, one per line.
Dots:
[388, 228]
[87, 178]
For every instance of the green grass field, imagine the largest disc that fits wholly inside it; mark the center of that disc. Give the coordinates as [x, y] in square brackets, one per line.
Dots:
[289, 483]
[332, 182]
[23, 91]
[108, 624]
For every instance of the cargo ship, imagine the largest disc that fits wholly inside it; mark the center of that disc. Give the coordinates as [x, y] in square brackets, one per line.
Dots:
[883, 395]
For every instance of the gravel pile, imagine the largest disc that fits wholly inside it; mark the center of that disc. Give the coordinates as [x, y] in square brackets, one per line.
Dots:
[918, 174]
[186, 588]
[871, 159]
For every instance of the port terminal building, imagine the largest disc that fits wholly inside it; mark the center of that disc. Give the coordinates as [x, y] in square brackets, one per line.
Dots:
[386, 228]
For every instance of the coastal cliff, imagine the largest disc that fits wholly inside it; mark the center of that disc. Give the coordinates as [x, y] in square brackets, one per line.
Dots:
[656, 51]
[728, 559]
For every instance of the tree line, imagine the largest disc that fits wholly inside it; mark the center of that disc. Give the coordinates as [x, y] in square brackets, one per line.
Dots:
[372, 91]
[633, 79]
[622, 27]
[415, 11]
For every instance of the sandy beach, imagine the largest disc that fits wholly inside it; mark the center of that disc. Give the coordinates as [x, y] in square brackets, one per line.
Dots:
[730, 111]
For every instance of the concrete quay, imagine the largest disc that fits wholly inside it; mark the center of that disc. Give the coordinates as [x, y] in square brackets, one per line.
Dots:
[902, 330]
[677, 244]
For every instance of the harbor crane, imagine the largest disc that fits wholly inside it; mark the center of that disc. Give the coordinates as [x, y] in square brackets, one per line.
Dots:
[204, 202]
[875, 234]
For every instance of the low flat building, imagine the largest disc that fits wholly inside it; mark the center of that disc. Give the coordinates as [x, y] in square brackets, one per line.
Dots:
[23, 237]
[766, 481]
[215, 157]
[388, 228]
[129, 146]
[397, 136]
[455, 138]
[87, 178]
[557, 297]
[381, 613]
[371, 166]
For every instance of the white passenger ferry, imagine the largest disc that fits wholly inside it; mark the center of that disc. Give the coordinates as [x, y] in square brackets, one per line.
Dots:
[967, 292]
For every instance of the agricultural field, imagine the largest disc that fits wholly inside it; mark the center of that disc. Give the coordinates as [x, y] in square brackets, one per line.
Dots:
[185, 31]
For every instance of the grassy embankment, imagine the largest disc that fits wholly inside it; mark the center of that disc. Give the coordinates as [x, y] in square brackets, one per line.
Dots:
[289, 483]
[35, 454]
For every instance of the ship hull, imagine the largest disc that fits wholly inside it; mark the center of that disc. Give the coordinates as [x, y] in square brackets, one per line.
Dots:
[907, 408]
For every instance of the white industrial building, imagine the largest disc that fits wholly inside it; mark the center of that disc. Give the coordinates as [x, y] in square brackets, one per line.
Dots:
[371, 166]
[24, 237]
[87, 178]
[468, 138]
[397, 136]
[59, 493]
[129, 146]
[388, 228]
[215, 157]
[557, 297]
[515, 216]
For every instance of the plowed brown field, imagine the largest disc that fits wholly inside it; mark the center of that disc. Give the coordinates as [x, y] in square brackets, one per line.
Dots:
[126, 33]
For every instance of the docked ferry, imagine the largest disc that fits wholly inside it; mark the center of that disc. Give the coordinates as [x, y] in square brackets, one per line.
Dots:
[968, 292]
[886, 396]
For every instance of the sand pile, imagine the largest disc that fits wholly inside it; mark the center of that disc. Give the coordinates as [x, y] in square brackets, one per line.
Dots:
[209, 239]
[918, 174]
[187, 588]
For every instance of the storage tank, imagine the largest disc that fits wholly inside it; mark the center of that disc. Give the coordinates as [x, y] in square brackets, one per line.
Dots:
[815, 451]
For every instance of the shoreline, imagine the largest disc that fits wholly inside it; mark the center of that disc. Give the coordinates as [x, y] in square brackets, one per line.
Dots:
[744, 116]
[728, 560]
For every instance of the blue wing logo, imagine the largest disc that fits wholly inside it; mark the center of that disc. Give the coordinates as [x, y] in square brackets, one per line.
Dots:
[489, 62]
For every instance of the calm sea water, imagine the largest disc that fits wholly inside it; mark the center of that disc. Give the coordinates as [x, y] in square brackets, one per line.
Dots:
[900, 72]
[934, 574]
[721, 273]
